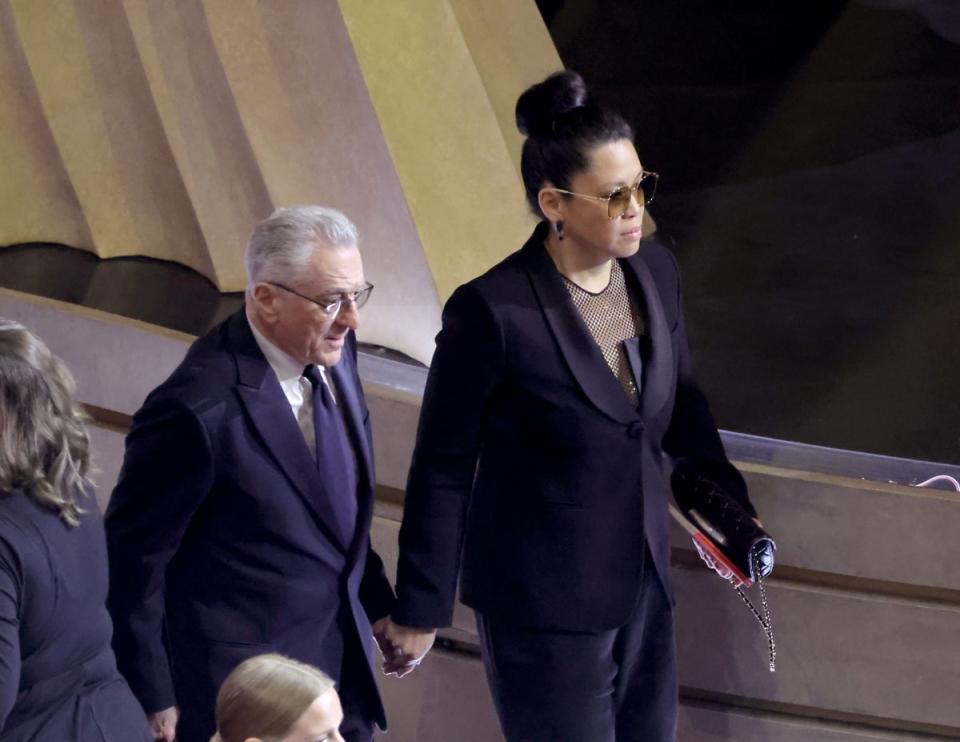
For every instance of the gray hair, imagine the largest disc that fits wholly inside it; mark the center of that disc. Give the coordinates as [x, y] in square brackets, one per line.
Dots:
[44, 447]
[281, 245]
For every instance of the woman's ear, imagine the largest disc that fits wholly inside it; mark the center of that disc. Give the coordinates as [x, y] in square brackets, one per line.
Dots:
[551, 204]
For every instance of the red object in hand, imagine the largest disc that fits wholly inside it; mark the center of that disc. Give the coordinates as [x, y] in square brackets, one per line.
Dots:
[708, 548]
[711, 553]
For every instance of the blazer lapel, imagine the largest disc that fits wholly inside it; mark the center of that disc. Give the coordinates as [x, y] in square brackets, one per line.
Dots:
[349, 396]
[658, 372]
[631, 347]
[577, 345]
[270, 415]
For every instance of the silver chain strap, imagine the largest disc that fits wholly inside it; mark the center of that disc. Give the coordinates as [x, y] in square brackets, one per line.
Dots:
[764, 619]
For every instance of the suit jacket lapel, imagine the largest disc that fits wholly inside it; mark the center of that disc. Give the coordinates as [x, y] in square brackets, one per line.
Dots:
[350, 398]
[270, 415]
[634, 353]
[577, 345]
[658, 376]
[343, 377]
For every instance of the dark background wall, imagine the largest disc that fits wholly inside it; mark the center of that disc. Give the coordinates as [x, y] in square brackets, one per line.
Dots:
[810, 162]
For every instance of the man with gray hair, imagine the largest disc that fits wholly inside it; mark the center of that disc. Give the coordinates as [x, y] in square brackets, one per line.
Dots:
[240, 522]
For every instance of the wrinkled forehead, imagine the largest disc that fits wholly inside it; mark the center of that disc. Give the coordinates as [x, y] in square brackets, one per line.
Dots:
[333, 269]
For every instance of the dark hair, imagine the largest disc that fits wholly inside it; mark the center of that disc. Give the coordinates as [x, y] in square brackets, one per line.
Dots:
[562, 123]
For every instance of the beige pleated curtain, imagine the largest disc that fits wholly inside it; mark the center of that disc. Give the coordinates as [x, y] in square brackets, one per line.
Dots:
[167, 128]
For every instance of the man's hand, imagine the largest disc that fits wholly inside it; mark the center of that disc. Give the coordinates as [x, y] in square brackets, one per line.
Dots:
[402, 647]
[163, 724]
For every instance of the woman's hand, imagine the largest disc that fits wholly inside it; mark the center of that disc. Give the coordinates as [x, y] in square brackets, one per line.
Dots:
[402, 647]
[163, 724]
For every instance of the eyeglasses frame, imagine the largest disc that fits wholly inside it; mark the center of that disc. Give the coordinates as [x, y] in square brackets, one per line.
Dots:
[634, 189]
[333, 309]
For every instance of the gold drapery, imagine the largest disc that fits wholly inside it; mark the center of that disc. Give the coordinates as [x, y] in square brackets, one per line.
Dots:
[167, 129]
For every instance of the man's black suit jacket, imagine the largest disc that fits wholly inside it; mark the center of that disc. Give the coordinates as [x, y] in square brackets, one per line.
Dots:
[532, 465]
[221, 537]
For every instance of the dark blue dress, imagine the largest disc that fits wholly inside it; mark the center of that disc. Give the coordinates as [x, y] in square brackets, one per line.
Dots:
[58, 676]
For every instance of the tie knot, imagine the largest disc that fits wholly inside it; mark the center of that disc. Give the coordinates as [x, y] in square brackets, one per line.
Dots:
[313, 374]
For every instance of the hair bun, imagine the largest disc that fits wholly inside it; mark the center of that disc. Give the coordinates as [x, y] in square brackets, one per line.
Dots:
[542, 104]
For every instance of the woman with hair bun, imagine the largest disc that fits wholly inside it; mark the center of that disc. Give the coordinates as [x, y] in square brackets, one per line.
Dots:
[560, 386]
[58, 676]
[272, 698]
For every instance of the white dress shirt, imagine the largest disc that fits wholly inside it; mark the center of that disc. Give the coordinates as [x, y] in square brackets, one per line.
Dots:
[296, 387]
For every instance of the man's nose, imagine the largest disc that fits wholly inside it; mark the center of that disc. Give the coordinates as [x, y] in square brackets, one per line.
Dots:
[349, 314]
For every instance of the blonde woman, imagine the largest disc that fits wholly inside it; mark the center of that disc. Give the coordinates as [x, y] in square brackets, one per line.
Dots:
[58, 675]
[272, 698]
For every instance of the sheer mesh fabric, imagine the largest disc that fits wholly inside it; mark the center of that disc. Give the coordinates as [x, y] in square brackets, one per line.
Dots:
[612, 317]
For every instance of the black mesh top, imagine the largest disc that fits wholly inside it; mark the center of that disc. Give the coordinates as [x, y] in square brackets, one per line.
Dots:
[611, 316]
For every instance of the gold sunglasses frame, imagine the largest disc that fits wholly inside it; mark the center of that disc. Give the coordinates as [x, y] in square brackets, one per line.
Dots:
[633, 190]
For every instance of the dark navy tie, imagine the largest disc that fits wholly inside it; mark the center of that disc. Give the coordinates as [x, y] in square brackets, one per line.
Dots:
[335, 460]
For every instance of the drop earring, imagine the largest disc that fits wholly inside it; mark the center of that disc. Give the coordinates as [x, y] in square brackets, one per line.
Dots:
[559, 228]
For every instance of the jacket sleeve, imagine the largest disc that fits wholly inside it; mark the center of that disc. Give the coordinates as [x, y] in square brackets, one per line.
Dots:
[692, 440]
[376, 595]
[10, 590]
[167, 472]
[466, 367]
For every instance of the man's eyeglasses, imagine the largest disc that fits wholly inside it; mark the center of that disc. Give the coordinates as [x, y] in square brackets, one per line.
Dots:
[618, 202]
[330, 306]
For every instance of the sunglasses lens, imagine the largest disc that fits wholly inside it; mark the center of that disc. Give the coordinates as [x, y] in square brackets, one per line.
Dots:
[648, 187]
[619, 202]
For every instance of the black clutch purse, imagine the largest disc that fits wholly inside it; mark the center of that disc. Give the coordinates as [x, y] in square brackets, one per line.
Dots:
[729, 539]
[722, 526]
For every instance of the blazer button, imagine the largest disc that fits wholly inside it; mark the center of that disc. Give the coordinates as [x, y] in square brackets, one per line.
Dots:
[635, 429]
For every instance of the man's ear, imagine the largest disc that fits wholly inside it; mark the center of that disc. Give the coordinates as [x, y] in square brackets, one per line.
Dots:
[264, 301]
[552, 204]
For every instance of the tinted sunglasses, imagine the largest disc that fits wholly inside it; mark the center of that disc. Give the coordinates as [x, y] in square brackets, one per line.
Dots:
[644, 188]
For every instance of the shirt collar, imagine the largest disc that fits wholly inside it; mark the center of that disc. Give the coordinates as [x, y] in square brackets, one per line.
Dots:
[286, 367]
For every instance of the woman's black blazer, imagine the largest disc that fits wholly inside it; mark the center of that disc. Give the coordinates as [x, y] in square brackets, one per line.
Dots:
[532, 467]
[58, 676]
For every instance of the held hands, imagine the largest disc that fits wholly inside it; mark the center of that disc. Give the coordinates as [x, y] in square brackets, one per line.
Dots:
[402, 647]
[163, 724]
